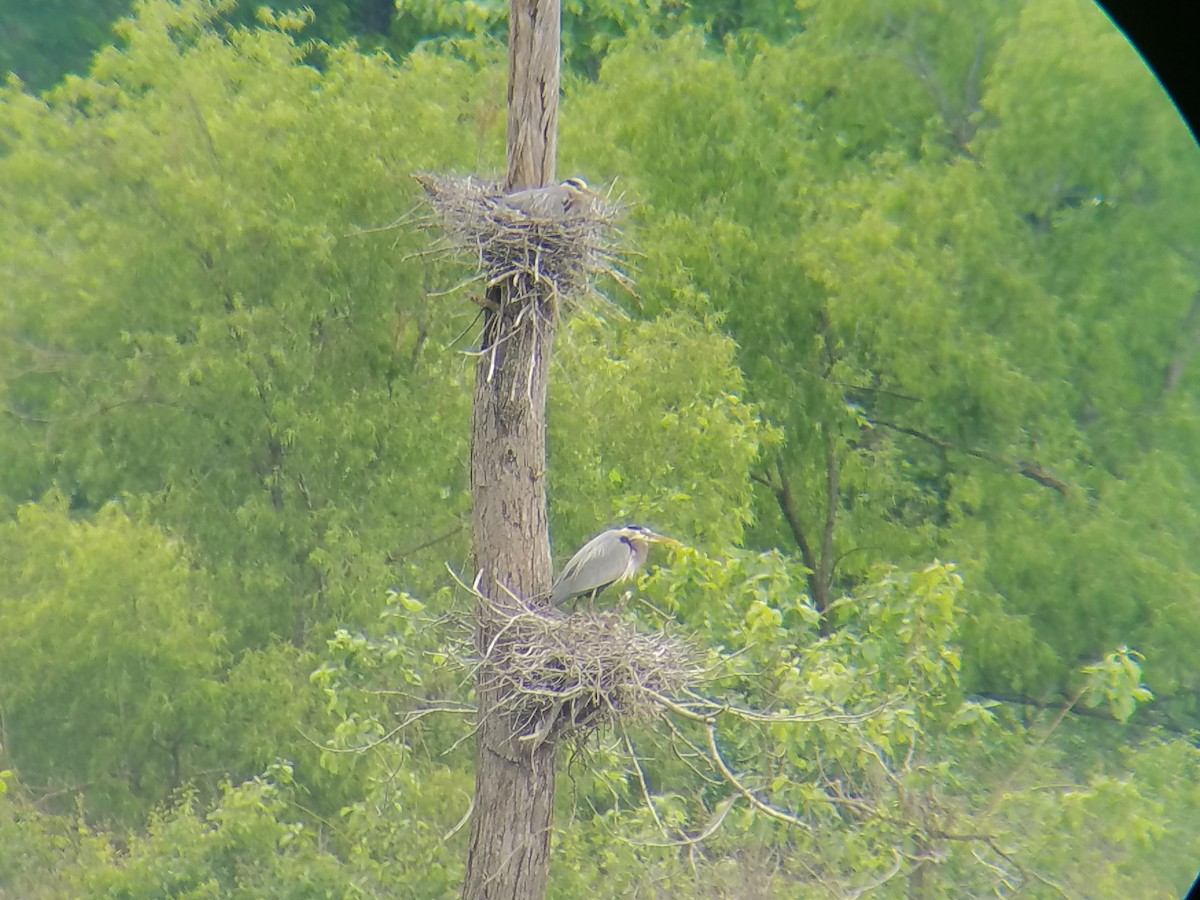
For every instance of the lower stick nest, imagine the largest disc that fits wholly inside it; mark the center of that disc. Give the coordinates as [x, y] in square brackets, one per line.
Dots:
[559, 676]
[553, 256]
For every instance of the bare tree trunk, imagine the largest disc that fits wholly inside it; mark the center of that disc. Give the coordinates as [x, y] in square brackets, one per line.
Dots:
[514, 781]
[533, 57]
[509, 850]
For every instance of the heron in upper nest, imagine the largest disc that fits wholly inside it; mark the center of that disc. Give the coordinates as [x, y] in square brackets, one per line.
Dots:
[572, 197]
[611, 556]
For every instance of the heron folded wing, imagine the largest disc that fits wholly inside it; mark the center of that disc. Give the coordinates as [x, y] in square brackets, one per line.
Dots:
[602, 560]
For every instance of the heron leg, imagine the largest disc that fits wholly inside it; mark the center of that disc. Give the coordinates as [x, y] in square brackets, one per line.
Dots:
[624, 601]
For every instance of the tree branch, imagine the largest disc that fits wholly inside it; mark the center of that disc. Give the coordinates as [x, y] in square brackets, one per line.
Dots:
[831, 509]
[399, 555]
[817, 585]
[958, 120]
[767, 809]
[1021, 467]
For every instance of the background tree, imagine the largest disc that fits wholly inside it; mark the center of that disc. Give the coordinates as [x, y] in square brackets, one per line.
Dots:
[918, 306]
[911, 248]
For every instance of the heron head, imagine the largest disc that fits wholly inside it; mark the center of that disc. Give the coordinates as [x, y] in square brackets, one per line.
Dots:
[576, 184]
[642, 533]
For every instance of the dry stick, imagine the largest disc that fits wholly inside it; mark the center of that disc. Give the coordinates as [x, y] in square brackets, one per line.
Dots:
[1003, 875]
[461, 822]
[425, 545]
[462, 334]
[873, 751]
[641, 775]
[507, 335]
[402, 220]
[720, 811]
[879, 882]
[423, 254]
[715, 757]
[409, 718]
[450, 290]
[535, 336]
[462, 740]
[507, 859]
[1028, 755]
[718, 818]
[1025, 871]
[765, 808]
[677, 734]
[474, 590]
[751, 715]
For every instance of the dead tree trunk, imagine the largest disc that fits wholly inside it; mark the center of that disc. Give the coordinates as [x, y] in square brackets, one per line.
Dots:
[509, 848]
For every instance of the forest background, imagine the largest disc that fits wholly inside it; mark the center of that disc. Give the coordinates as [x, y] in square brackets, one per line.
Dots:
[910, 372]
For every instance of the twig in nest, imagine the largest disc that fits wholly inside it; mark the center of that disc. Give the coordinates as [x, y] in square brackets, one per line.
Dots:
[550, 258]
[558, 676]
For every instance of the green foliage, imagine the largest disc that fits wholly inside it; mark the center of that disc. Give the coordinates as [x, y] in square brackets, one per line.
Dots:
[42, 39]
[119, 687]
[210, 284]
[590, 31]
[647, 424]
[408, 831]
[37, 845]
[940, 299]
[1118, 680]
[110, 648]
[871, 743]
[247, 846]
[912, 257]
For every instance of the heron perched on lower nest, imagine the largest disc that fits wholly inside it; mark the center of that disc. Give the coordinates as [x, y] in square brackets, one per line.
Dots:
[559, 677]
[610, 557]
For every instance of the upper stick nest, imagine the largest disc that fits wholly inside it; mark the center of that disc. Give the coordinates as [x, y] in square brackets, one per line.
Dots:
[562, 675]
[564, 252]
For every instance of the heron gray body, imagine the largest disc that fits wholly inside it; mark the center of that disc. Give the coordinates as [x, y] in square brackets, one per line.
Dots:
[551, 202]
[611, 556]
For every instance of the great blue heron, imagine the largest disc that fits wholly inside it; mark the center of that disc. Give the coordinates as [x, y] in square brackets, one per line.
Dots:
[553, 202]
[611, 556]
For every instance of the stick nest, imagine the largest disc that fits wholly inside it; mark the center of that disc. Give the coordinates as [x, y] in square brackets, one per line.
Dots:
[565, 253]
[561, 676]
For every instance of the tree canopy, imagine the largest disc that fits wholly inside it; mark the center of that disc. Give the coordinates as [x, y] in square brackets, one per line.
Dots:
[908, 371]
